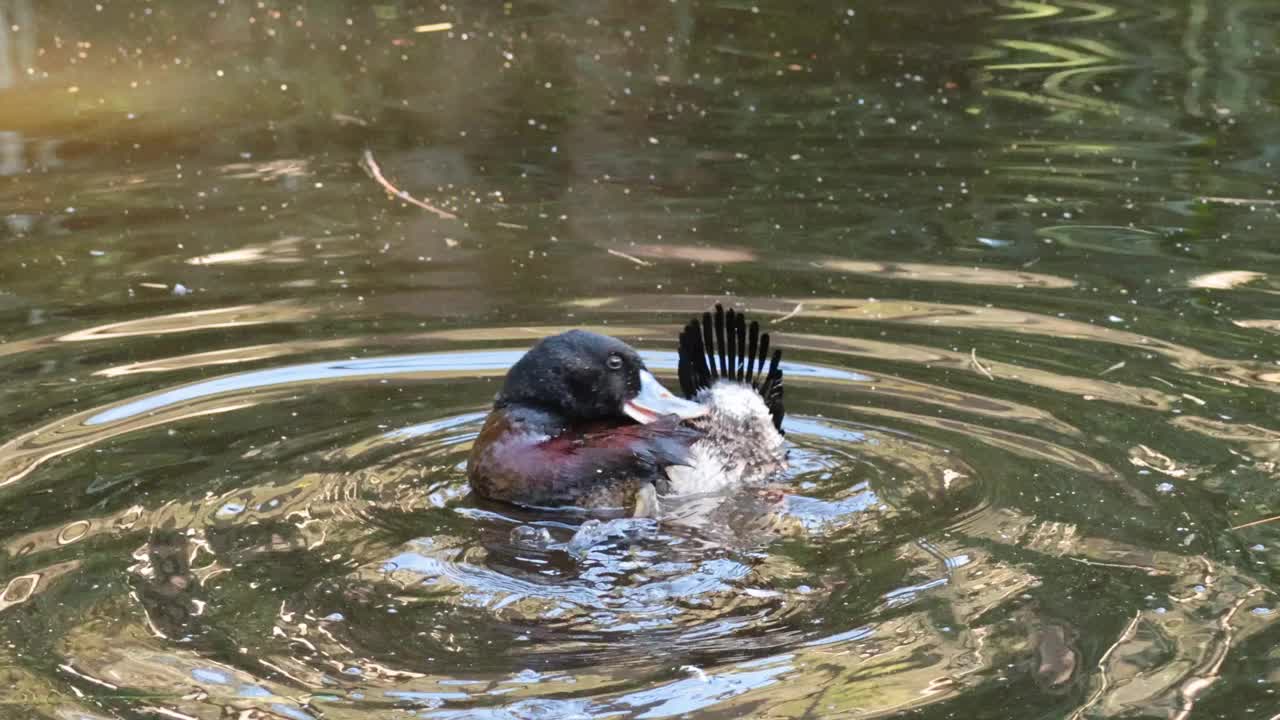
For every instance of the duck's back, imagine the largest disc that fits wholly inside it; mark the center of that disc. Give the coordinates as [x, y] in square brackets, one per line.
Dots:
[725, 365]
[739, 446]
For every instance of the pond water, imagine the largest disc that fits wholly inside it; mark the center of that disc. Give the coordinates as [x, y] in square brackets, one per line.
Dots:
[1023, 257]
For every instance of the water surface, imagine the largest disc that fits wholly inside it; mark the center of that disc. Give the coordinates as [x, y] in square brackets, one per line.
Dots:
[1022, 257]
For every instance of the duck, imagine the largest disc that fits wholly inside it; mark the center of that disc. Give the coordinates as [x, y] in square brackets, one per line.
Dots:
[581, 422]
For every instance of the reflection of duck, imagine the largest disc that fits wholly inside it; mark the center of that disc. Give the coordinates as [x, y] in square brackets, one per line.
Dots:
[581, 421]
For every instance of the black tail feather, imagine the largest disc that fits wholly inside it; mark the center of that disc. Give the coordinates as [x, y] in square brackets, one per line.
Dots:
[740, 331]
[719, 347]
[761, 358]
[725, 342]
[731, 352]
[709, 343]
[771, 389]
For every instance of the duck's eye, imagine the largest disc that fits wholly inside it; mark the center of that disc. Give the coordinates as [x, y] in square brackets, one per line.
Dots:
[614, 362]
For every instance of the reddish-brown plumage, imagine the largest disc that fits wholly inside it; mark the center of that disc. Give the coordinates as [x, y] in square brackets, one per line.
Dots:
[525, 456]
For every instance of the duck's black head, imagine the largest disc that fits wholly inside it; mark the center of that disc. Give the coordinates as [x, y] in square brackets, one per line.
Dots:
[585, 376]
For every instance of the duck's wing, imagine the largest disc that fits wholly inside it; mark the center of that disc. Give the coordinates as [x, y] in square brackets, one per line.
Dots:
[531, 468]
[723, 345]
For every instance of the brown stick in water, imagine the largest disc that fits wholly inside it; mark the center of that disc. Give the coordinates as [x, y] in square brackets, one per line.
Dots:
[372, 166]
[1273, 518]
[624, 256]
[788, 316]
[973, 355]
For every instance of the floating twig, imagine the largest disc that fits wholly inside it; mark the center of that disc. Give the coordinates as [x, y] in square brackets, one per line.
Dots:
[372, 166]
[1113, 368]
[1238, 201]
[1105, 680]
[794, 312]
[344, 119]
[632, 258]
[1127, 566]
[1263, 521]
[973, 356]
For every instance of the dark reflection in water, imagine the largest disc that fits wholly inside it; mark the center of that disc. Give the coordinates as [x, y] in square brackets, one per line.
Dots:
[1021, 254]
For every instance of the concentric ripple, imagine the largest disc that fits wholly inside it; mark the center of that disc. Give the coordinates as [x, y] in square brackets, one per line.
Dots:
[326, 556]
[396, 570]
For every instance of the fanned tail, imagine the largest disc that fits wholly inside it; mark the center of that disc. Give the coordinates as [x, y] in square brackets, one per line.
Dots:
[725, 346]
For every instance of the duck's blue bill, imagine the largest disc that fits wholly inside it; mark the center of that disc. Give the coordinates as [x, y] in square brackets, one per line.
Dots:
[654, 401]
